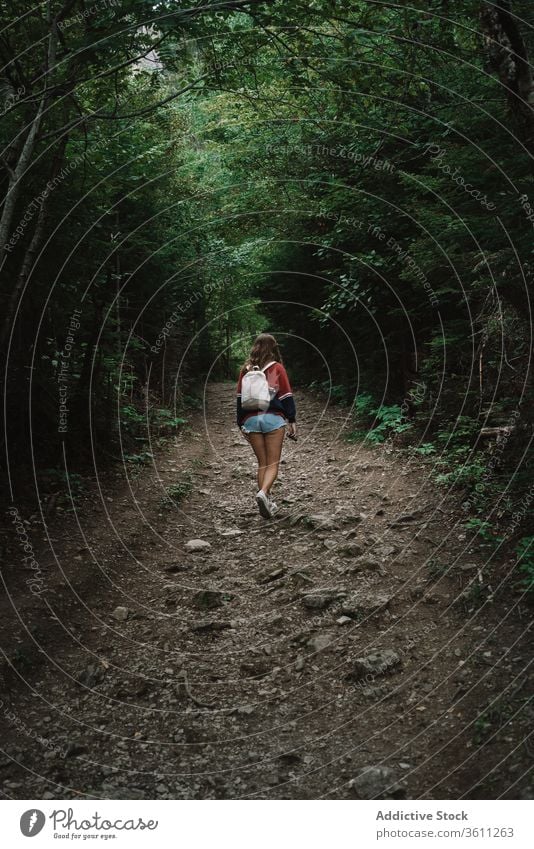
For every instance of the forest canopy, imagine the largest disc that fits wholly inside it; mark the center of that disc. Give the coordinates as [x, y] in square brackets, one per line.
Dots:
[354, 176]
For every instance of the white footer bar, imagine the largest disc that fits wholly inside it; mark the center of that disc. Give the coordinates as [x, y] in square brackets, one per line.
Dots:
[268, 824]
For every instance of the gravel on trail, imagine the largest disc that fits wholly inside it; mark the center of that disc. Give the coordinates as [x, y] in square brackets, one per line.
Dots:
[186, 648]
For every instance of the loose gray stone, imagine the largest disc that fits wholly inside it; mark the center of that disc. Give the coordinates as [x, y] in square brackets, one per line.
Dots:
[377, 782]
[271, 575]
[351, 549]
[353, 518]
[92, 675]
[120, 614]
[320, 642]
[364, 601]
[321, 521]
[384, 551]
[320, 599]
[294, 519]
[375, 692]
[375, 663]
[407, 517]
[194, 545]
[210, 599]
[366, 563]
[172, 568]
[300, 578]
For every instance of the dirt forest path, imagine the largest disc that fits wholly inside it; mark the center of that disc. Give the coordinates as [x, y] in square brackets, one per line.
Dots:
[329, 653]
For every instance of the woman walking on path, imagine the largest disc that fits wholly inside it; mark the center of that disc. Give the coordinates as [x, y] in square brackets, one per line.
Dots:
[265, 412]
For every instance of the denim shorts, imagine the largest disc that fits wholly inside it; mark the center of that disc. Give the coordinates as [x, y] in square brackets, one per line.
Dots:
[263, 423]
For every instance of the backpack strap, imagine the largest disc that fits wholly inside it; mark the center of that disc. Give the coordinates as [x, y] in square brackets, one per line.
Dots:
[264, 369]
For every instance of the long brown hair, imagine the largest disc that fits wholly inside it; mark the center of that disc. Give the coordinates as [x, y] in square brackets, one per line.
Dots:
[264, 349]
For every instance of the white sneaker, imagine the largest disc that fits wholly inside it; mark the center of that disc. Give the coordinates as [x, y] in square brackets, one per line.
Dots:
[274, 507]
[264, 505]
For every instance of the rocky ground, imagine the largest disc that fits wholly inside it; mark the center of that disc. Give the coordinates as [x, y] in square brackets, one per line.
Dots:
[183, 647]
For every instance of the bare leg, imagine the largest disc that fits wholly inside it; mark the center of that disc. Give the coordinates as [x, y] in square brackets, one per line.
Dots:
[257, 440]
[273, 444]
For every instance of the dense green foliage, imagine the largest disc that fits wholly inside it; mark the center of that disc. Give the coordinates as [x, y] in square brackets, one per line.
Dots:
[354, 175]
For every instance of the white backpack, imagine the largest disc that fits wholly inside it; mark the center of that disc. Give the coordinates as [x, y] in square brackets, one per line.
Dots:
[255, 394]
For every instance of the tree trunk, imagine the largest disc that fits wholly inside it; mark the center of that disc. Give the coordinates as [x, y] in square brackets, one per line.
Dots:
[30, 253]
[16, 174]
[508, 58]
[15, 177]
